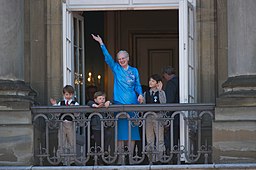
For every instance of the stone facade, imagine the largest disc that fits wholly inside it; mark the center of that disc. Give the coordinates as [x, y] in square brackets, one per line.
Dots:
[234, 129]
[16, 97]
[31, 52]
[16, 130]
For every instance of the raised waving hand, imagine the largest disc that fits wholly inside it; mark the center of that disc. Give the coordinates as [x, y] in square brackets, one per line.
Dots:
[98, 39]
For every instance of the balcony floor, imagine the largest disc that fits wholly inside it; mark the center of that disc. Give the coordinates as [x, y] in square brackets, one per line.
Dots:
[249, 166]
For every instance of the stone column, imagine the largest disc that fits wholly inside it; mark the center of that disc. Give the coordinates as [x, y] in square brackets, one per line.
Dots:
[234, 129]
[241, 37]
[16, 131]
[12, 37]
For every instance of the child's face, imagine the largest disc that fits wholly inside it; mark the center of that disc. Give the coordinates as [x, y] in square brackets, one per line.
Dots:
[100, 99]
[152, 83]
[68, 96]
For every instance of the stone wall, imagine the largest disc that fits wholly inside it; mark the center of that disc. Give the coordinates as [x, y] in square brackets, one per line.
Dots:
[234, 129]
[43, 48]
[16, 129]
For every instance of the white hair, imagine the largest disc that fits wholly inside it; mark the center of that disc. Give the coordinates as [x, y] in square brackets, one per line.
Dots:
[123, 52]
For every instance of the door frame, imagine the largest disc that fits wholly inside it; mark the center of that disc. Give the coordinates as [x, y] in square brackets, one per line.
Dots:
[185, 85]
[91, 5]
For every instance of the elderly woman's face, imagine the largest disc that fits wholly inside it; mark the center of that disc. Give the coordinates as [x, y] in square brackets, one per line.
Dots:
[123, 60]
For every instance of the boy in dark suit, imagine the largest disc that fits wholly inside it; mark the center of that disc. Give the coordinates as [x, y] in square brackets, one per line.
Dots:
[66, 136]
[154, 128]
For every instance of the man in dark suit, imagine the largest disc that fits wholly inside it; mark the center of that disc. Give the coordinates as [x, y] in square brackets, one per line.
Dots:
[172, 96]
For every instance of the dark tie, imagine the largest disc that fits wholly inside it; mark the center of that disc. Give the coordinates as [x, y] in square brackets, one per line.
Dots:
[66, 103]
[152, 93]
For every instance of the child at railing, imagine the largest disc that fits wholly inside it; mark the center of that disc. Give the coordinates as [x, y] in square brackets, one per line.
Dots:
[66, 136]
[154, 129]
[99, 101]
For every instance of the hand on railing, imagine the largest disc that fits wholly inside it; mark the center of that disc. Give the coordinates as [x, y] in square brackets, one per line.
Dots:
[53, 101]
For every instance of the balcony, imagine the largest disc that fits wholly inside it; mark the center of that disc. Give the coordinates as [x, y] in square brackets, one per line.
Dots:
[186, 128]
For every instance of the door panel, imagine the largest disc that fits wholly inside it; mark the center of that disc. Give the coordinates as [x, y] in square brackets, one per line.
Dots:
[67, 46]
[151, 52]
[187, 61]
[159, 59]
[133, 31]
[78, 53]
[73, 52]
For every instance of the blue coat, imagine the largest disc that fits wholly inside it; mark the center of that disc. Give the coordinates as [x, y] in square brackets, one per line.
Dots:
[126, 85]
[126, 82]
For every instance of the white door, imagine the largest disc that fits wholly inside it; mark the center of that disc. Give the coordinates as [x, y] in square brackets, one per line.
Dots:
[187, 52]
[187, 60]
[78, 57]
[73, 53]
[67, 46]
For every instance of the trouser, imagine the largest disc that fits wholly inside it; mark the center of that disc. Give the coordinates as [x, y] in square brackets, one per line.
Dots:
[176, 133]
[66, 138]
[108, 137]
[155, 136]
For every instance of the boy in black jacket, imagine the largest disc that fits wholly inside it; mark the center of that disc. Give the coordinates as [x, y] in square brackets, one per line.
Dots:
[154, 128]
[66, 137]
[99, 101]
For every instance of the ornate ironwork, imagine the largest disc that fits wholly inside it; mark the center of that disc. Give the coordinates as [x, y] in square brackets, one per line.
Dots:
[193, 146]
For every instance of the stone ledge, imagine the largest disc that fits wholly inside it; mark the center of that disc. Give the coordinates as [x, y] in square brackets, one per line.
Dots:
[235, 101]
[10, 117]
[239, 94]
[239, 91]
[240, 81]
[16, 91]
[13, 104]
[15, 98]
[235, 114]
[241, 166]
[16, 95]
[15, 85]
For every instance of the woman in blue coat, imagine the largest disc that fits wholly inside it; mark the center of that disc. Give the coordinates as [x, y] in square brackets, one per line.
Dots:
[126, 87]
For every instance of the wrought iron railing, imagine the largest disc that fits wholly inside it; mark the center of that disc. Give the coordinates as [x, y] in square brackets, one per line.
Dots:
[186, 130]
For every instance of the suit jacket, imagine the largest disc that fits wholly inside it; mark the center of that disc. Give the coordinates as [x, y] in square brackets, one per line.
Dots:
[172, 90]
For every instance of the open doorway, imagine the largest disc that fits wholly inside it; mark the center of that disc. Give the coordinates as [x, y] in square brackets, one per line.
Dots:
[150, 38]
[129, 29]
[150, 42]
